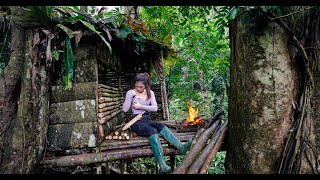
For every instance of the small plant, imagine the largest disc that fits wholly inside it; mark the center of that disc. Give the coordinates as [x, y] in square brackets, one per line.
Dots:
[217, 165]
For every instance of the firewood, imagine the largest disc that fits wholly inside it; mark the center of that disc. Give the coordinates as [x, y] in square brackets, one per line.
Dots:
[197, 148]
[199, 161]
[116, 133]
[109, 137]
[115, 137]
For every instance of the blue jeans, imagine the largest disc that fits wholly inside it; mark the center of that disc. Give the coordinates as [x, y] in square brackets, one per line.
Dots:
[146, 127]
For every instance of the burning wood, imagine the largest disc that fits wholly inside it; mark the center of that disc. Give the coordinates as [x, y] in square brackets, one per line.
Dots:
[193, 122]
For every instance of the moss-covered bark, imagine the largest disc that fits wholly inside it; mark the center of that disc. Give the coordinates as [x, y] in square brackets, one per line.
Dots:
[262, 91]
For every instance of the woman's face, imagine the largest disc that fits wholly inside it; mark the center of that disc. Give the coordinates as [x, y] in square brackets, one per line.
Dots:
[139, 86]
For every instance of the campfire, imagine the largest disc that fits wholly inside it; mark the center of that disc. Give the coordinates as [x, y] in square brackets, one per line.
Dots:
[193, 122]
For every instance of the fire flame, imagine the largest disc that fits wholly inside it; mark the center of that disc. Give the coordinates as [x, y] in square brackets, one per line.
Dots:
[193, 116]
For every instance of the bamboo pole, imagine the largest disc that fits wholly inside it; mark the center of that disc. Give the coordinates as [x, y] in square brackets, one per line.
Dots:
[199, 161]
[108, 87]
[106, 113]
[102, 105]
[109, 108]
[103, 94]
[193, 153]
[109, 117]
[110, 99]
[108, 90]
[94, 158]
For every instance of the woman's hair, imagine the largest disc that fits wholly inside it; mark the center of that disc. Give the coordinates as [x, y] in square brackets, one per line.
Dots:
[145, 79]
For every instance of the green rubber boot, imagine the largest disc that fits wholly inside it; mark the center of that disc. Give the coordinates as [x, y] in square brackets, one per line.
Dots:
[158, 154]
[172, 139]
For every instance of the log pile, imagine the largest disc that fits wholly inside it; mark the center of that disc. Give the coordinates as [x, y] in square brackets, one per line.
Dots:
[204, 147]
[120, 134]
[110, 101]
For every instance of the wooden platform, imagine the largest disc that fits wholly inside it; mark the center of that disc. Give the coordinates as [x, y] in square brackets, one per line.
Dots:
[112, 150]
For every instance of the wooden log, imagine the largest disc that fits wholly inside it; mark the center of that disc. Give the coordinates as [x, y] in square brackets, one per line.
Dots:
[109, 87]
[213, 119]
[103, 94]
[94, 158]
[208, 124]
[110, 99]
[103, 90]
[199, 161]
[106, 113]
[110, 108]
[109, 117]
[73, 112]
[103, 105]
[211, 156]
[193, 153]
[79, 91]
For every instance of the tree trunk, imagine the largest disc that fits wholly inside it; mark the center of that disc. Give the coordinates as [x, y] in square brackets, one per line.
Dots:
[266, 81]
[9, 85]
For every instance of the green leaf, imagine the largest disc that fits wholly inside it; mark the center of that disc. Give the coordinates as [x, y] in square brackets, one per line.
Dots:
[56, 55]
[92, 28]
[123, 32]
[68, 31]
[68, 64]
[233, 12]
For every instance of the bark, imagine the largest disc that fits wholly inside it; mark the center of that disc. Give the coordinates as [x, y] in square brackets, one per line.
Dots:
[9, 80]
[196, 149]
[263, 89]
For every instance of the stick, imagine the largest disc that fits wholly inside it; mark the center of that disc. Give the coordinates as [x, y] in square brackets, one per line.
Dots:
[135, 119]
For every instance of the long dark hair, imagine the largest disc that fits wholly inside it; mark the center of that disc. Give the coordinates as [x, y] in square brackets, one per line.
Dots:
[145, 79]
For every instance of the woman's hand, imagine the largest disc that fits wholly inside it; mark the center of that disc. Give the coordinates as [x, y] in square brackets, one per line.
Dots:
[136, 105]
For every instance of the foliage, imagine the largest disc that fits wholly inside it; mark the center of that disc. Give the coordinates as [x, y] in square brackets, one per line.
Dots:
[217, 165]
[105, 25]
[198, 35]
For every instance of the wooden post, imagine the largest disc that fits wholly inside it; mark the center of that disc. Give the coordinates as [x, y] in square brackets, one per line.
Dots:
[164, 92]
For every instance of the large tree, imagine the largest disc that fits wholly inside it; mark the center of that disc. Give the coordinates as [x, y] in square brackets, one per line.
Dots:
[274, 96]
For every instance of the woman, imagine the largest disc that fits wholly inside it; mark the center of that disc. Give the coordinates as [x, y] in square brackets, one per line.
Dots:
[142, 99]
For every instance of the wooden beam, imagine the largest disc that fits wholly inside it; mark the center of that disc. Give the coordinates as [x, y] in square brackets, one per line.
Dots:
[93, 158]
